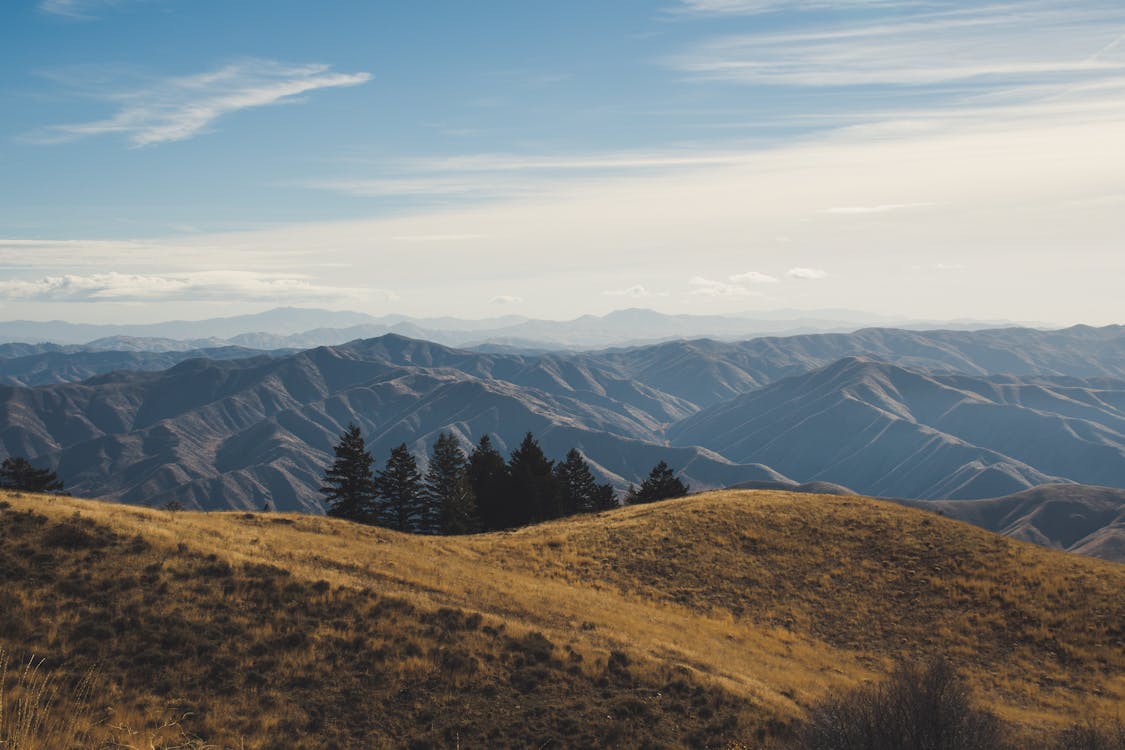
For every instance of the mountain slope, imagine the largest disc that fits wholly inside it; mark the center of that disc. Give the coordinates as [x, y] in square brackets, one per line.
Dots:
[622, 628]
[222, 434]
[1077, 518]
[885, 430]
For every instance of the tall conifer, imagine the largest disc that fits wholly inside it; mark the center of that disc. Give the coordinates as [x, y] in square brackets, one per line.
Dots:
[349, 489]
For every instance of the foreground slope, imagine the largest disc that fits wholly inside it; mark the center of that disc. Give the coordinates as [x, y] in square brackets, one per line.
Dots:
[696, 622]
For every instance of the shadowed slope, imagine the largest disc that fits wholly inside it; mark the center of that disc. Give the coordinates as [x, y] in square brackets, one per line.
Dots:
[884, 430]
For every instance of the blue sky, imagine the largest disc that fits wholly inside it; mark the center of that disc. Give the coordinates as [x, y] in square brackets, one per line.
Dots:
[932, 159]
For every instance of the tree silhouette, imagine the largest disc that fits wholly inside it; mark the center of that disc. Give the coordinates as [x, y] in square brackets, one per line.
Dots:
[349, 488]
[489, 480]
[17, 473]
[399, 488]
[448, 491]
[661, 484]
[578, 491]
[531, 496]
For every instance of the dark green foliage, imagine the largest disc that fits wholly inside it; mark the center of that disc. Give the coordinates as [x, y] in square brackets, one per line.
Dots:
[532, 493]
[399, 489]
[489, 480]
[661, 484]
[923, 707]
[17, 473]
[578, 491]
[348, 488]
[450, 506]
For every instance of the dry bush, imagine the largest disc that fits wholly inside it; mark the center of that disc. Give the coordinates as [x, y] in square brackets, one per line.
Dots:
[920, 706]
[1092, 736]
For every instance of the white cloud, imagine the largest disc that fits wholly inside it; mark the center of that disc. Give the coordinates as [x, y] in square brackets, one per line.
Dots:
[753, 277]
[207, 285]
[806, 273]
[179, 108]
[506, 299]
[704, 287]
[636, 291]
[880, 208]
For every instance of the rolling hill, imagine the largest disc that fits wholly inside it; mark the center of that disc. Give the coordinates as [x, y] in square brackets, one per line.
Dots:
[706, 621]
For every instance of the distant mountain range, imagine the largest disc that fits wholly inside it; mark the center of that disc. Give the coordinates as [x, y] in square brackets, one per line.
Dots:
[301, 328]
[939, 414]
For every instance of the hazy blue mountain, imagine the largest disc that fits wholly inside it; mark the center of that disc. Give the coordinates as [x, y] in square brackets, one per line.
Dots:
[67, 366]
[303, 328]
[885, 430]
[1077, 518]
[219, 434]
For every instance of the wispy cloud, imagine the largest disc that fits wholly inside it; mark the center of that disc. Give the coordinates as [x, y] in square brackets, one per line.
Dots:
[881, 208]
[506, 299]
[210, 285]
[636, 291]
[491, 175]
[754, 7]
[179, 108]
[1014, 43]
[704, 287]
[753, 277]
[807, 274]
[78, 10]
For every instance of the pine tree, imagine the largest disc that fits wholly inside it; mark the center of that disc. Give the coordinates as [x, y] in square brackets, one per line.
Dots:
[399, 487]
[450, 506]
[489, 481]
[531, 498]
[349, 487]
[605, 498]
[578, 492]
[661, 484]
[17, 473]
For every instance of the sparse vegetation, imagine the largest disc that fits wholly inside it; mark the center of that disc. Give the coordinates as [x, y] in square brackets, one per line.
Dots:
[621, 629]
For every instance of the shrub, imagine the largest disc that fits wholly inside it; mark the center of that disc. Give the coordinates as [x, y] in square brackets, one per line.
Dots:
[921, 706]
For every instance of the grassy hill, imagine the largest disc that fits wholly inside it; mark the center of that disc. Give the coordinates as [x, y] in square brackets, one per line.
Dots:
[705, 621]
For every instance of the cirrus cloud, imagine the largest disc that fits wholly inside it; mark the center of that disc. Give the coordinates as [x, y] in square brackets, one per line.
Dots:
[179, 108]
[205, 285]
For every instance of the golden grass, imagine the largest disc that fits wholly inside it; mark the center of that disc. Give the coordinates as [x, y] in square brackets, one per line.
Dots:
[773, 598]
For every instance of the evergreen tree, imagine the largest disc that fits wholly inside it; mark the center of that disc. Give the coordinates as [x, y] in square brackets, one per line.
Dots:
[349, 488]
[399, 487]
[531, 496]
[578, 491]
[17, 473]
[488, 479]
[448, 492]
[661, 484]
[605, 498]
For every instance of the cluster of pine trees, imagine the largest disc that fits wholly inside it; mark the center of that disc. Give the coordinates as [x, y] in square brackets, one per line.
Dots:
[462, 494]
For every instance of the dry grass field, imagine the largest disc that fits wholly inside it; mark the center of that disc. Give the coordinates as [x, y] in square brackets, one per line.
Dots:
[710, 621]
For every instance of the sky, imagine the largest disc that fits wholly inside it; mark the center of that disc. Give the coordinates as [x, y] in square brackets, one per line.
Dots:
[932, 159]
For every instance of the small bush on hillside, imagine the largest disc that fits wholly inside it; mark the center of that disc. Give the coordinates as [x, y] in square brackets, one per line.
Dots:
[1092, 736]
[921, 706]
